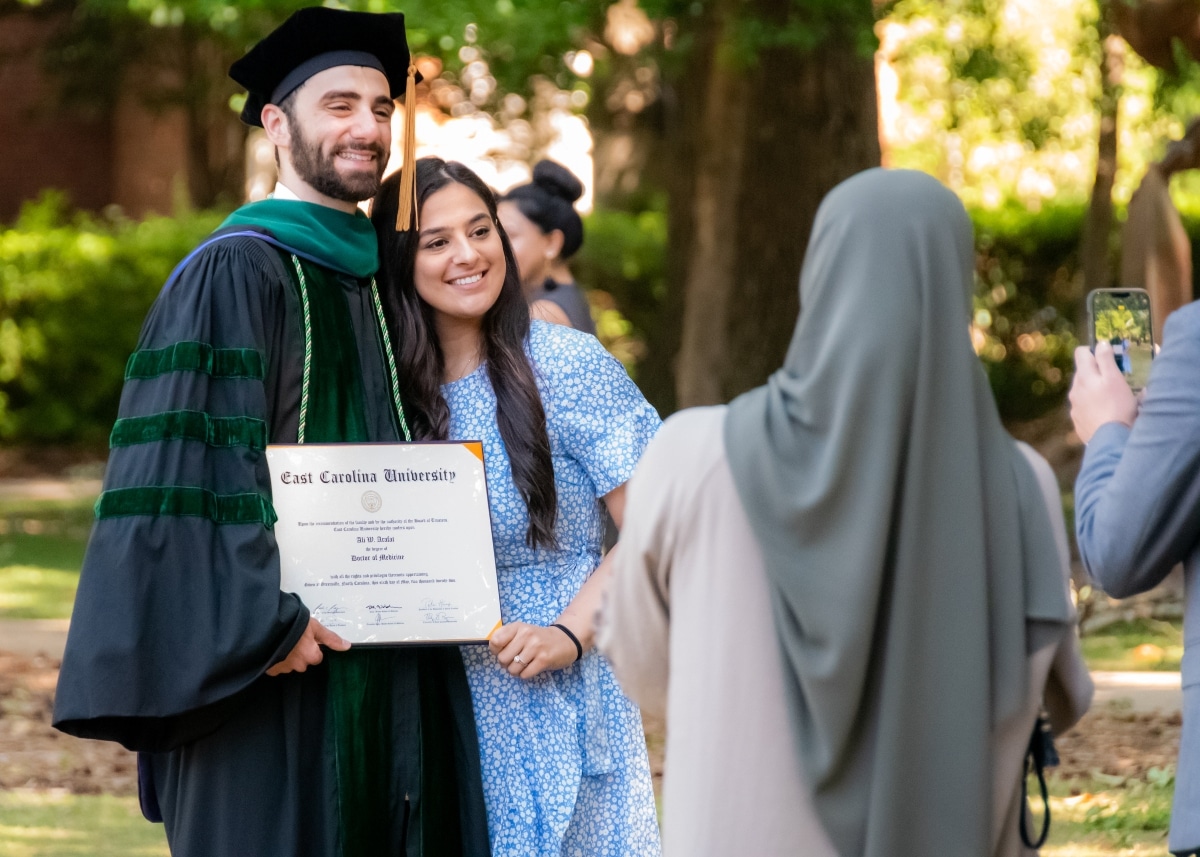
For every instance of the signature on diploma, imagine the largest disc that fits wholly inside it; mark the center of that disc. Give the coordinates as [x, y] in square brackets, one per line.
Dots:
[329, 615]
[438, 618]
[434, 604]
[328, 610]
[384, 615]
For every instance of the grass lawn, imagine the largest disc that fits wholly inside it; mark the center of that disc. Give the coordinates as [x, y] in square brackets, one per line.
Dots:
[1090, 818]
[1144, 644]
[1097, 818]
[41, 550]
[55, 824]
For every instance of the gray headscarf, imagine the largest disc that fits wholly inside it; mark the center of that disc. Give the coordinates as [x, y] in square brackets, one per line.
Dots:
[910, 557]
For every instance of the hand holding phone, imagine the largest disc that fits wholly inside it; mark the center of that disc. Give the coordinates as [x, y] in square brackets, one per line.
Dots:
[1100, 392]
[1121, 318]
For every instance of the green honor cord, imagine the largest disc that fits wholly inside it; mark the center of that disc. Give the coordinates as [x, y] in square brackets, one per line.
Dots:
[387, 349]
[391, 359]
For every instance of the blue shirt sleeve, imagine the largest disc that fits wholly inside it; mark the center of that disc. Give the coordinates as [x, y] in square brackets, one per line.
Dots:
[1137, 497]
[598, 414]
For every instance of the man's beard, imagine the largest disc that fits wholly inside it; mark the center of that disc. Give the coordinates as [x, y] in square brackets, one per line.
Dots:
[319, 170]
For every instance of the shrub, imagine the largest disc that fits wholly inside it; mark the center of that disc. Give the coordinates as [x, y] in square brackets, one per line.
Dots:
[622, 265]
[73, 292]
[1027, 303]
[1026, 300]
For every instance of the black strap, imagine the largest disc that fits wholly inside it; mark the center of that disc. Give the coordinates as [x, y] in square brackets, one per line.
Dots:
[574, 639]
[1039, 756]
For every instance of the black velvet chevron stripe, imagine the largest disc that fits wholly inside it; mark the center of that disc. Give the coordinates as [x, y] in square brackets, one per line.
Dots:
[196, 357]
[181, 501]
[190, 425]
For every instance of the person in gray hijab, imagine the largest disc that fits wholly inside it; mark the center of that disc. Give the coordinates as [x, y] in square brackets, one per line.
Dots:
[848, 589]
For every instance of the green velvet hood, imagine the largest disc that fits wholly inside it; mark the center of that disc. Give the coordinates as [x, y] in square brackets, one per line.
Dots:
[335, 239]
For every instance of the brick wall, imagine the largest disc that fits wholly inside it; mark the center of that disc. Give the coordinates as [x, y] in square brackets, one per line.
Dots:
[134, 156]
[149, 157]
[42, 144]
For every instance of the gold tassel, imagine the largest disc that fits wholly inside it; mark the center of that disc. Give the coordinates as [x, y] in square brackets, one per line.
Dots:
[406, 216]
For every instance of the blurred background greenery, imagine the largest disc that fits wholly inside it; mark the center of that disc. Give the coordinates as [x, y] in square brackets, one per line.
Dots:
[706, 131]
[1037, 113]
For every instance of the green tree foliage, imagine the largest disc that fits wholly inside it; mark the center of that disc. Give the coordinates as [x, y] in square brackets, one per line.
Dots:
[1025, 305]
[1119, 322]
[73, 293]
[999, 99]
[623, 263]
[995, 97]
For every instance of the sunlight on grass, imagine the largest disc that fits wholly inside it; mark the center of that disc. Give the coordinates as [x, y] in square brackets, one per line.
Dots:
[1144, 644]
[56, 824]
[1105, 849]
[1110, 818]
[32, 592]
[41, 551]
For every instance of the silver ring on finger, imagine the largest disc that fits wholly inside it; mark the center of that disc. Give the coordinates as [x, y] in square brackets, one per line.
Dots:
[521, 660]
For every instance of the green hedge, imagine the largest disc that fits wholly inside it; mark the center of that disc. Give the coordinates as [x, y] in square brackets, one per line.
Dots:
[1026, 299]
[73, 292]
[1028, 303]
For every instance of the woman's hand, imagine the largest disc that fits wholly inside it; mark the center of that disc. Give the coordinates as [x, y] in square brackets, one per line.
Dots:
[529, 650]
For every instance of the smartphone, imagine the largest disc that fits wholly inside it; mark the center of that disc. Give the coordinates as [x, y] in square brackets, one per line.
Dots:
[1122, 318]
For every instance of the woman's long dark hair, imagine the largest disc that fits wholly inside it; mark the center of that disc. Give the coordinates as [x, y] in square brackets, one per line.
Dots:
[519, 412]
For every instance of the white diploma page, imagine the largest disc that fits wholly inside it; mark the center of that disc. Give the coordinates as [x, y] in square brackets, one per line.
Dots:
[388, 543]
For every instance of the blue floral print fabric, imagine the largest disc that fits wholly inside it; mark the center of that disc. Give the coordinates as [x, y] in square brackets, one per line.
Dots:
[564, 757]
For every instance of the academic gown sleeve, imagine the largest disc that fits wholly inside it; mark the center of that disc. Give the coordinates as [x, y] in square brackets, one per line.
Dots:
[179, 608]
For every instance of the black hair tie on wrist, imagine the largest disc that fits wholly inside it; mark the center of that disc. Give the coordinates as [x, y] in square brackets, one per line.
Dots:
[574, 639]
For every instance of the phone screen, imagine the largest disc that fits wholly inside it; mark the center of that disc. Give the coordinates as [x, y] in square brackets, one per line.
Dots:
[1122, 318]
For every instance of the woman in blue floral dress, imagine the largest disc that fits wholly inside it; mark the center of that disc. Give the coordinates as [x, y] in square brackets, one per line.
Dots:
[563, 754]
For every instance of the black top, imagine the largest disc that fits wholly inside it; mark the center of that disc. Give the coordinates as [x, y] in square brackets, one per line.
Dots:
[570, 298]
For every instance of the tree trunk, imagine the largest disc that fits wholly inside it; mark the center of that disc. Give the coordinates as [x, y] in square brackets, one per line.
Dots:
[775, 137]
[1097, 228]
[712, 268]
[816, 123]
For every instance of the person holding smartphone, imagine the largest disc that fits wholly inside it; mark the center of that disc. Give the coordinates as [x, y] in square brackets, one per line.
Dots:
[1137, 505]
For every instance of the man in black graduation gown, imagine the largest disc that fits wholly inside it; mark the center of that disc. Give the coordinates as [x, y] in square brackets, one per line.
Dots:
[181, 644]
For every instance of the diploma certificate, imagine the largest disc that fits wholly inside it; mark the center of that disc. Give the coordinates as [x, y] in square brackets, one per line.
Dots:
[387, 543]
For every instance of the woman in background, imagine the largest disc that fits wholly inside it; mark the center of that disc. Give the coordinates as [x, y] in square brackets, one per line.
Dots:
[546, 230]
[848, 588]
[563, 754]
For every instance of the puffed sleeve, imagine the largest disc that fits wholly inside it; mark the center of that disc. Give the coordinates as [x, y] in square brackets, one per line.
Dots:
[179, 607]
[599, 415]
